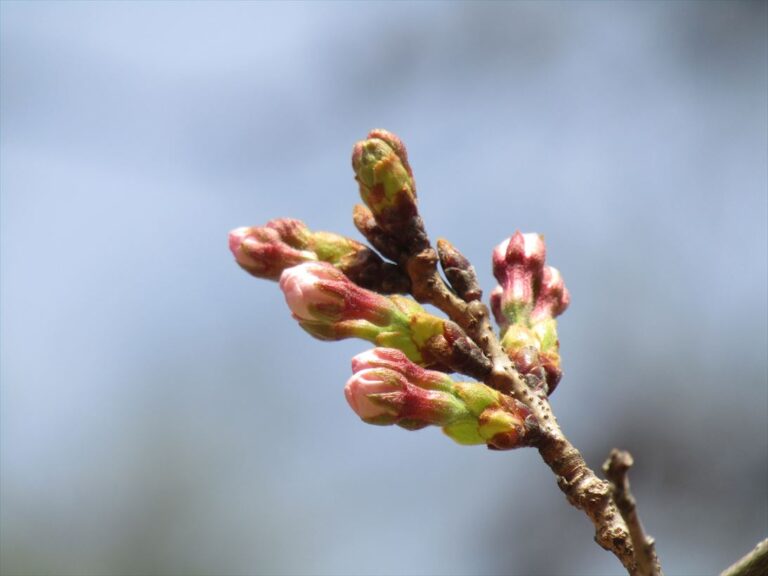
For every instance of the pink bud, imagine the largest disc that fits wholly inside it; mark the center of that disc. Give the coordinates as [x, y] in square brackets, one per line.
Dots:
[528, 290]
[496, 295]
[529, 297]
[519, 252]
[304, 291]
[553, 298]
[500, 261]
[292, 231]
[320, 293]
[383, 396]
[365, 387]
[396, 361]
[266, 251]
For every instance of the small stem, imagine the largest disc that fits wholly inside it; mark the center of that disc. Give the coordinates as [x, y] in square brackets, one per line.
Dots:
[753, 564]
[579, 483]
[616, 469]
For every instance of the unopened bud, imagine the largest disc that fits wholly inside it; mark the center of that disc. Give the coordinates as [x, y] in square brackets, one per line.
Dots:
[317, 292]
[529, 297]
[387, 388]
[366, 224]
[331, 307]
[517, 265]
[266, 251]
[459, 271]
[283, 243]
[395, 360]
[387, 187]
[382, 396]
[553, 297]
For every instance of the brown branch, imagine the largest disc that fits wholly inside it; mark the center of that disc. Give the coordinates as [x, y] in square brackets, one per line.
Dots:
[753, 564]
[616, 469]
[581, 486]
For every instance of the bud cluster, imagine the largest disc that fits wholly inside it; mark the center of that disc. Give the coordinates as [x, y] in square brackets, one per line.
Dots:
[338, 288]
[387, 388]
[525, 303]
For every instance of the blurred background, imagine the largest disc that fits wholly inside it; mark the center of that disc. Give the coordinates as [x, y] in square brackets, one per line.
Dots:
[161, 412]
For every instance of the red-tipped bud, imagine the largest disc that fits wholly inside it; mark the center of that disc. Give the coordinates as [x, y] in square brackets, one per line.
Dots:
[496, 295]
[318, 292]
[396, 361]
[266, 251]
[553, 298]
[525, 304]
[520, 252]
[382, 396]
[364, 388]
[331, 307]
[387, 388]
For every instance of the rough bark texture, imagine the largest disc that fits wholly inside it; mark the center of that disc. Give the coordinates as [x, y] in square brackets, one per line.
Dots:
[616, 468]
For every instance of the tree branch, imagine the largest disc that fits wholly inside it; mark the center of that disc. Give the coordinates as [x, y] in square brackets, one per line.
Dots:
[581, 486]
[616, 469]
[753, 564]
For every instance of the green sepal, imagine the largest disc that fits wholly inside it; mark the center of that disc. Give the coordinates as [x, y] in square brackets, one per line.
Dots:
[464, 432]
[477, 397]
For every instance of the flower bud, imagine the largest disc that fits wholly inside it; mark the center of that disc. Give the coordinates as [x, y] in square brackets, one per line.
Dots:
[382, 396]
[268, 250]
[387, 388]
[529, 297]
[366, 224]
[459, 271]
[387, 187]
[265, 252]
[553, 297]
[318, 292]
[385, 180]
[495, 298]
[517, 265]
[331, 307]
[394, 360]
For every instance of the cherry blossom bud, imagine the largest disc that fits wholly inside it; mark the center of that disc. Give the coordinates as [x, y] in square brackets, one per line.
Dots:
[266, 251]
[366, 224]
[529, 297]
[385, 180]
[459, 271]
[496, 295]
[382, 396]
[318, 292]
[387, 388]
[517, 265]
[396, 361]
[553, 297]
[331, 307]
[387, 187]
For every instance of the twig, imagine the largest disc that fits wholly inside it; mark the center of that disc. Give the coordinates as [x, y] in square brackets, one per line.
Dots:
[581, 486]
[616, 468]
[753, 564]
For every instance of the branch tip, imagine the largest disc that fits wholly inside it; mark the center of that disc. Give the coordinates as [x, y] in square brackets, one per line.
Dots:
[616, 469]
